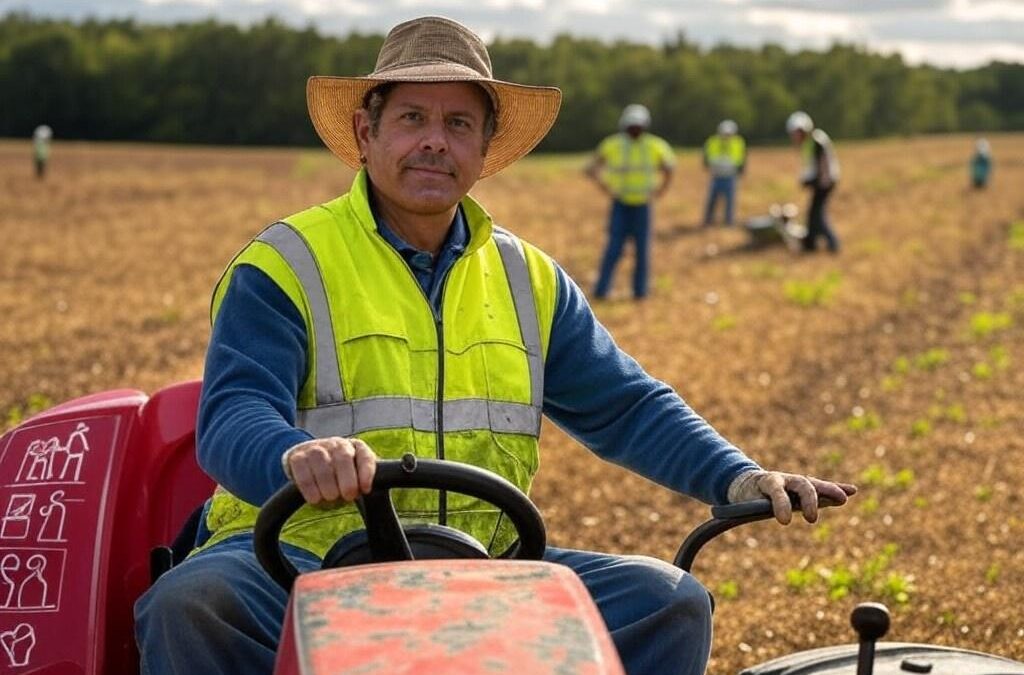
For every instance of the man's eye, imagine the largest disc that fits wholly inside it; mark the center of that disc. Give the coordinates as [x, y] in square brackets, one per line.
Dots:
[459, 123]
[412, 115]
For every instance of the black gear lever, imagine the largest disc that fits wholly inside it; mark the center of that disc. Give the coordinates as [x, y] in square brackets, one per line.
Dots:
[871, 621]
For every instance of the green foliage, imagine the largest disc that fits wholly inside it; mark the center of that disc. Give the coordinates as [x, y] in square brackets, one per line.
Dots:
[983, 493]
[821, 533]
[1017, 235]
[728, 590]
[999, 357]
[876, 476]
[865, 421]
[955, 413]
[984, 324]
[873, 577]
[17, 414]
[869, 506]
[931, 359]
[833, 458]
[724, 322]
[992, 574]
[920, 428]
[812, 293]
[998, 360]
[891, 383]
[210, 82]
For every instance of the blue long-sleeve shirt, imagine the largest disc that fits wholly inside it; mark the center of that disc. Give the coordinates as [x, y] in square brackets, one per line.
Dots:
[257, 359]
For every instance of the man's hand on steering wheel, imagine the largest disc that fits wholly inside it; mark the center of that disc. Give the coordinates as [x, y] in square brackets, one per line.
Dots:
[329, 470]
[778, 486]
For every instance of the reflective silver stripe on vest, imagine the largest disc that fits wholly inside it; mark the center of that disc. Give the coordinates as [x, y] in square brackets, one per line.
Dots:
[294, 249]
[514, 260]
[333, 416]
[398, 412]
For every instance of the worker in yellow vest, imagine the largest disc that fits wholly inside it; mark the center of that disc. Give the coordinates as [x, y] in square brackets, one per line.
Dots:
[819, 174]
[725, 158]
[400, 318]
[633, 167]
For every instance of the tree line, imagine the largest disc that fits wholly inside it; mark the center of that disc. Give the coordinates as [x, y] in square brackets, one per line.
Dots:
[213, 82]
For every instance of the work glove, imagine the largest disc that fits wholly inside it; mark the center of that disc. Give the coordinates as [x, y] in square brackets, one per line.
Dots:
[777, 486]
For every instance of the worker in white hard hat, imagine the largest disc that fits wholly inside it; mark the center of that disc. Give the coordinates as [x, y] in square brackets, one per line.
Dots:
[633, 167]
[41, 148]
[981, 164]
[725, 157]
[820, 174]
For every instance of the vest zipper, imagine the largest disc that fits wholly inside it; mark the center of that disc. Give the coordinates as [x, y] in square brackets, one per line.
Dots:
[442, 496]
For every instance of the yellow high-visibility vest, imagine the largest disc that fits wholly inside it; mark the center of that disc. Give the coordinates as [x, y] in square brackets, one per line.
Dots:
[724, 155]
[468, 388]
[631, 165]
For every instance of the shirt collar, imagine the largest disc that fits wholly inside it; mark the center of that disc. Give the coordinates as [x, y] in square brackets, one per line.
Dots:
[454, 243]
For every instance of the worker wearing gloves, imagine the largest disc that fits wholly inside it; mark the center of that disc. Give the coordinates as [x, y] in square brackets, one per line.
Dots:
[400, 317]
[632, 167]
[725, 157]
[819, 174]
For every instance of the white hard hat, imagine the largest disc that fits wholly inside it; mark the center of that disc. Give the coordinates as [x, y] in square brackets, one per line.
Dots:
[728, 128]
[799, 121]
[635, 115]
[43, 132]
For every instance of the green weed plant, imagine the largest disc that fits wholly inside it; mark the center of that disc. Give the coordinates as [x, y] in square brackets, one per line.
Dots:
[872, 578]
[984, 324]
[813, 293]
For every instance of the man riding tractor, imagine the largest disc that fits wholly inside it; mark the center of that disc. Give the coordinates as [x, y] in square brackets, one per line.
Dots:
[399, 318]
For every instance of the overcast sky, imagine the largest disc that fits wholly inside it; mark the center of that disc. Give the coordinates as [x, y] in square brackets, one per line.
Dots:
[959, 33]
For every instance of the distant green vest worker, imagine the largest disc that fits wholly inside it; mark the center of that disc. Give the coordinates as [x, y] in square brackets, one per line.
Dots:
[41, 148]
[633, 167]
[725, 158]
[375, 375]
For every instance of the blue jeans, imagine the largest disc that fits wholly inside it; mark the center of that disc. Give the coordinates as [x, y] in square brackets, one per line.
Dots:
[724, 187]
[818, 222]
[626, 222]
[219, 612]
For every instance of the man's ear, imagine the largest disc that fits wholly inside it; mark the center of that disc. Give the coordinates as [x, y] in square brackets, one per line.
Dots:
[361, 128]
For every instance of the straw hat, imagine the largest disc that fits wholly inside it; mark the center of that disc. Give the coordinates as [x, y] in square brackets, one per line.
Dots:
[434, 49]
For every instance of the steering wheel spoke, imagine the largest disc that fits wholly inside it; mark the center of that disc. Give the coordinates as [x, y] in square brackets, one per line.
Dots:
[385, 536]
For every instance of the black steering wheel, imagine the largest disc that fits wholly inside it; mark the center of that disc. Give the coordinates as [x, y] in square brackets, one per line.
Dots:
[385, 539]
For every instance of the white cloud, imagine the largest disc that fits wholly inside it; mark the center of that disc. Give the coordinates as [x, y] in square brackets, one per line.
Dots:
[816, 27]
[960, 33]
[986, 10]
[955, 54]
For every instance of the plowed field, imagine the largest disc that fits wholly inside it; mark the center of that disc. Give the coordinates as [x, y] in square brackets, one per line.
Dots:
[898, 364]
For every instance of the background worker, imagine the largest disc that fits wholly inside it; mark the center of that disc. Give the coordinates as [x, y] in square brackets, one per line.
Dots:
[725, 157]
[820, 174]
[398, 316]
[981, 164]
[633, 167]
[41, 148]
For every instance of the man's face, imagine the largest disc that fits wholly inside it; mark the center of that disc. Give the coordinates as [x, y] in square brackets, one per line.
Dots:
[797, 136]
[634, 131]
[429, 148]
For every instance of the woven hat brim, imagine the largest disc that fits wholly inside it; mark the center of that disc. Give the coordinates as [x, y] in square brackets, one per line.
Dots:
[525, 113]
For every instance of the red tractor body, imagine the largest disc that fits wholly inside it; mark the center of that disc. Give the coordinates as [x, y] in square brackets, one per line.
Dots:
[91, 488]
[445, 616]
[87, 490]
